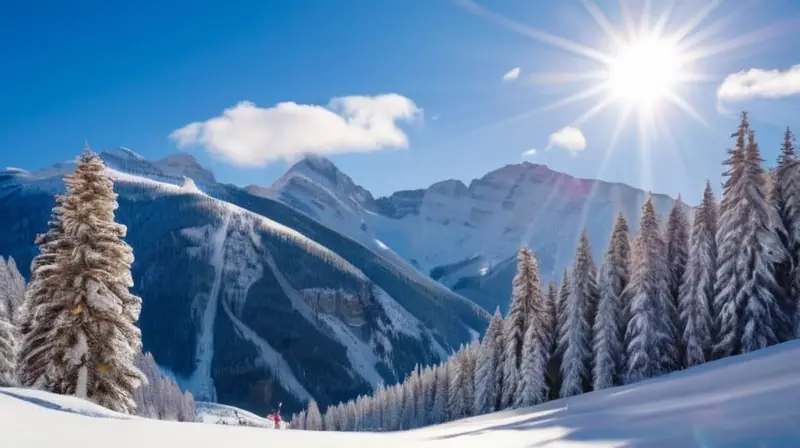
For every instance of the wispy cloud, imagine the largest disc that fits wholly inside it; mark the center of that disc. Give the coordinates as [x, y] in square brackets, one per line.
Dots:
[512, 74]
[758, 83]
[530, 152]
[248, 135]
[568, 138]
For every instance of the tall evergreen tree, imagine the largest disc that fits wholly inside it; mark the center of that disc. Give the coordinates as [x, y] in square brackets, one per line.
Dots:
[87, 328]
[532, 387]
[524, 287]
[313, 419]
[12, 289]
[440, 395]
[8, 345]
[785, 197]
[749, 311]
[560, 343]
[552, 303]
[487, 383]
[730, 234]
[299, 421]
[457, 400]
[564, 289]
[35, 350]
[576, 337]
[676, 236]
[650, 339]
[697, 288]
[609, 333]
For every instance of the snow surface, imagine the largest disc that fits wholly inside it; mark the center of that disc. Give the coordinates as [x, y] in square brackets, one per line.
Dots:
[749, 400]
[216, 413]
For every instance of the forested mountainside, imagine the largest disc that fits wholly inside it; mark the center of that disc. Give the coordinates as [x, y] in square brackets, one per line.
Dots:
[247, 301]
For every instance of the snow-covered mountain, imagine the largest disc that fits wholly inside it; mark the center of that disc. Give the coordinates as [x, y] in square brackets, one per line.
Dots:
[466, 237]
[246, 301]
[743, 401]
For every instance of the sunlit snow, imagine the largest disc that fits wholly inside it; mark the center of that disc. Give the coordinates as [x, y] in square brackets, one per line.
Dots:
[748, 400]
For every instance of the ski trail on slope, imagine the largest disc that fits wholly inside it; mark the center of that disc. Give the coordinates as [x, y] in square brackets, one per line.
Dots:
[270, 357]
[201, 383]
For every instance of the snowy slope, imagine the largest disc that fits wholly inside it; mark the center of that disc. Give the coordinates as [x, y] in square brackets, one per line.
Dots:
[464, 236]
[215, 413]
[745, 401]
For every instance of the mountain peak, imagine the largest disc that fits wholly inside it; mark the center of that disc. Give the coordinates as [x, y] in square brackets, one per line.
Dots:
[124, 153]
[320, 165]
[183, 164]
[320, 170]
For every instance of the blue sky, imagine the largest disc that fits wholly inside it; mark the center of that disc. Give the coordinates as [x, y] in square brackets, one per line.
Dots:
[131, 73]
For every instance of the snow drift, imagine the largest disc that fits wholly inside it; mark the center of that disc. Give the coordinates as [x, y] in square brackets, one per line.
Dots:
[748, 400]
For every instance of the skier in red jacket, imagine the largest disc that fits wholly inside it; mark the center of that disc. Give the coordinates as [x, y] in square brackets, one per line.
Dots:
[276, 416]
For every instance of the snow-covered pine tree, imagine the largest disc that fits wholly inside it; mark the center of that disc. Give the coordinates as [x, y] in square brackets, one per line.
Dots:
[576, 337]
[551, 299]
[651, 348]
[785, 197]
[299, 421]
[313, 419]
[457, 397]
[8, 350]
[487, 384]
[440, 394]
[12, 290]
[10, 295]
[676, 237]
[763, 318]
[532, 387]
[395, 415]
[559, 343]
[748, 312]
[697, 288]
[524, 287]
[609, 331]
[91, 320]
[36, 350]
[410, 400]
[468, 376]
[328, 420]
[428, 380]
[160, 397]
[378, 407]
[730, 233]
[564, 289]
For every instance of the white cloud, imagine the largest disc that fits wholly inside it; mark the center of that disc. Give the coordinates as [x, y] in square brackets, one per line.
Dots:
[569, 138]
[530, 152]
[512, 74]
[758, 83]
[248, 135]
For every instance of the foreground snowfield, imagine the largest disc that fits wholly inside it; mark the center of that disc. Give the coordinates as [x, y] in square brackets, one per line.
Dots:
[747, 401]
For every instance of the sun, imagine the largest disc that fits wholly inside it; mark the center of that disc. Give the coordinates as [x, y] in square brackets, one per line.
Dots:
[644, 72]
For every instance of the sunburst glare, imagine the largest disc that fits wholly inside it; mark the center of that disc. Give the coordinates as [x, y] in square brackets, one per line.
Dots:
[644, 69]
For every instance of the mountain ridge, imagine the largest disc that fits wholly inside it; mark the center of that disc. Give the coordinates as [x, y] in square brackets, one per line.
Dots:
[466, 236]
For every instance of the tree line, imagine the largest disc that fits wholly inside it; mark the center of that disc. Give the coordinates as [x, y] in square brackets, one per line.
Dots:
[724, 282]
